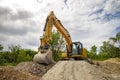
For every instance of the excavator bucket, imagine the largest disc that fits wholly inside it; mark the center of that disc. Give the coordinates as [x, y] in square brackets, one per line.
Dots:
[45, 58]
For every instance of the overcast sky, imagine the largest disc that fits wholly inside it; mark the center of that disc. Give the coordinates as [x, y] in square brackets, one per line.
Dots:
[88, 21]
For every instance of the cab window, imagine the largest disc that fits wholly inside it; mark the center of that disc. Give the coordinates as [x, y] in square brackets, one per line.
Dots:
[77, 48]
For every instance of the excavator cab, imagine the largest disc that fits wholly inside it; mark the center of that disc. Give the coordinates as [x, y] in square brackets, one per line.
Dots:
[77, 48]
[77, 51]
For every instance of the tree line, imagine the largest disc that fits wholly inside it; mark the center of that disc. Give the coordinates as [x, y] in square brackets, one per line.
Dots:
[109, 49]
[15, 54]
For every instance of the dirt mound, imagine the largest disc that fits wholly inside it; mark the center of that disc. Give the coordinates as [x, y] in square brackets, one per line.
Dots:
[9, 73]
[110, 67]
[63, 70]
[113, 60]
[24, 71]
[33, 68]
[78, 70]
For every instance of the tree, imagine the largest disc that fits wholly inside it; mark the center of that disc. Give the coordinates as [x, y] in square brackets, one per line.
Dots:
[109, 48]
[1, 47]
[104, 47]
[57, 43]
[94, 49]
[116, 39]
[115, 45]
[14, 52]
[93, 52]
[15, 55]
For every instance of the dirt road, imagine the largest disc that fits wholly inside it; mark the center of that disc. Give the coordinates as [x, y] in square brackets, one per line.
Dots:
[77, 70]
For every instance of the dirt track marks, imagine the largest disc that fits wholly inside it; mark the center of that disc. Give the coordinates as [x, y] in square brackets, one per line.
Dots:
[77, 70]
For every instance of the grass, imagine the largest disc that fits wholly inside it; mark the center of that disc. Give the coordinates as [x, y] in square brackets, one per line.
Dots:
[8, 64]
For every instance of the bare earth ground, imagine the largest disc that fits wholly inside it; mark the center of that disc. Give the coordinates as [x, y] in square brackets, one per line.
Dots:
[81, 70]
[63, 70]
[8, 73]
[24, 71]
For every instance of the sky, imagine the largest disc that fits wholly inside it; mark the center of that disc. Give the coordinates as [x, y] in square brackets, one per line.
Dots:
[88, 21]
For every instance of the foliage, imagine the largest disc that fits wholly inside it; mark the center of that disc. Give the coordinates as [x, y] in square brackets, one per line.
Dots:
[16, 55]
[57, 43]
[14, 52]
[1, 47]
[93, 52]
[109, 49]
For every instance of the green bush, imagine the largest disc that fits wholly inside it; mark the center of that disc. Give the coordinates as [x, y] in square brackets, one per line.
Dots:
[16, 55]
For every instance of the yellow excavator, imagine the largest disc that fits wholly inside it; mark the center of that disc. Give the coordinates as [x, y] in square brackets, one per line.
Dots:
[75, 50]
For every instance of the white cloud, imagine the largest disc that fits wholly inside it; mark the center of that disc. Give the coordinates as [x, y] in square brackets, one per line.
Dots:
[88, 21]
[112, 6]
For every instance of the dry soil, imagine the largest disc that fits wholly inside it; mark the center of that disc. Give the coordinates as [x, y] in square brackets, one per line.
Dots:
[63, 70]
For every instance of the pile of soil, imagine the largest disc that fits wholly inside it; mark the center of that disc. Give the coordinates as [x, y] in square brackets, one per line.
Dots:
[24, 71]
[81, 70]
[9, 73]
[63, 70]
[33, 68]
[114, 60]
[110, 66]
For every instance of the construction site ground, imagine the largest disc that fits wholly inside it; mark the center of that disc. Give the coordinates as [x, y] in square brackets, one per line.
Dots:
[63, 70]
